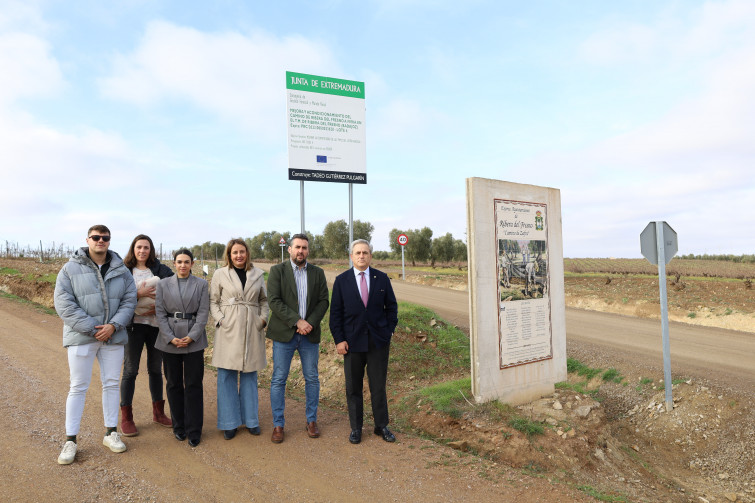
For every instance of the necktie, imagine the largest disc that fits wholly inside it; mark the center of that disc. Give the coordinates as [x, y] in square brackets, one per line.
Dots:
[363, 288]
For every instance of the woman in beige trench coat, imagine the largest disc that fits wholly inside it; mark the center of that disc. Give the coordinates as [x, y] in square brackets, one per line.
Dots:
[238, 304]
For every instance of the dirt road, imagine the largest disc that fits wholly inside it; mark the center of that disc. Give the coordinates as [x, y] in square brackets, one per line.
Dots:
[725, 356]
[720, 355]
[156, 467]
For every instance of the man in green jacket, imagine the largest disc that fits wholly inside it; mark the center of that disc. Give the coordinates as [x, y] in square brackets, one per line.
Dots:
[297, 294]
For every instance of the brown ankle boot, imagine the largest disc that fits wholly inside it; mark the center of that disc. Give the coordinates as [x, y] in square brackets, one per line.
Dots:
[128, 428]
[158, 414]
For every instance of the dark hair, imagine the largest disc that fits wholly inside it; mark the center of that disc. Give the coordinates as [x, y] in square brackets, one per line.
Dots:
[130, 259]
[98, 228]
[298, 236]
[227, 254]
[183, 251]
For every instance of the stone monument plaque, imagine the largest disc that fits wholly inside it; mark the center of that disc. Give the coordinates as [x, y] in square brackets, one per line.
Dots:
[516, 290]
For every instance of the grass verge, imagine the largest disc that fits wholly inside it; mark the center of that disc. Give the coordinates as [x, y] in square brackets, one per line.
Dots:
[601, 496]
[38, 307]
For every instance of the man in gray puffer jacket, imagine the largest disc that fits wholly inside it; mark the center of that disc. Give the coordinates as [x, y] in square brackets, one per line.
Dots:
[95, 296]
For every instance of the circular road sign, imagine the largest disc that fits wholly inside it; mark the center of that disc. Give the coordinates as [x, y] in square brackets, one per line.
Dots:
[402, 239]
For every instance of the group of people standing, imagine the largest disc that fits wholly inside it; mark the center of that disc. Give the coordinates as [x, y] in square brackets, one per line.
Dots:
[112, 309]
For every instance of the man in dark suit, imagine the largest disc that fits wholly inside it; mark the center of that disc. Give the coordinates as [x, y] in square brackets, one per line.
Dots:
[363, 316]
[297, 294]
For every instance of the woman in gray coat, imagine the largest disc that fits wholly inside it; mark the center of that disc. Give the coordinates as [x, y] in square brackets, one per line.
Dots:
[182, 305]
[238, 303]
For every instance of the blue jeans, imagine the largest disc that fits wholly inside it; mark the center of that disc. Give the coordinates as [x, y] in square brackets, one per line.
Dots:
[237, 404]
[309, 354]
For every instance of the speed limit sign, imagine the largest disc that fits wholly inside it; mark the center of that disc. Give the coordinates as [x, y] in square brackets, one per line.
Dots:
[402, 239]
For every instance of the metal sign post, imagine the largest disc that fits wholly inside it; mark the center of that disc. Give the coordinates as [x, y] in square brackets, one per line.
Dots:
[351, 222]
[402, 240]
[282, 243]
[301, 205]
[659, 245]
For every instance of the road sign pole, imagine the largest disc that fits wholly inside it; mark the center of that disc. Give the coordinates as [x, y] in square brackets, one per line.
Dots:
[402, 239]
[403, 270]
[351, 221]
[282, 243]
[301, 203]
[660, 243]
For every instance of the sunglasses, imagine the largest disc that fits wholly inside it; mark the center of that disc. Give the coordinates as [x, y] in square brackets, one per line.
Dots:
[95, 238]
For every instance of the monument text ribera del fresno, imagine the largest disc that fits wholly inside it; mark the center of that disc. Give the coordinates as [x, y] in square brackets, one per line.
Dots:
[326, 129]
[516, 285]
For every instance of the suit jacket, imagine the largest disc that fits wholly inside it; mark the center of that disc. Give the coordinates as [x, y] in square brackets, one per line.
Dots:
[350, 320]
[284, 302]
[194, 299]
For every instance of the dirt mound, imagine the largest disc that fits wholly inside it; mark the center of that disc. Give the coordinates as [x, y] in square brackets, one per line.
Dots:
[37, 292]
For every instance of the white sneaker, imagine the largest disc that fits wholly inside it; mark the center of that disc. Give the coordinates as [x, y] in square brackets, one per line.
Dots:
[68, 453]
[114, 442]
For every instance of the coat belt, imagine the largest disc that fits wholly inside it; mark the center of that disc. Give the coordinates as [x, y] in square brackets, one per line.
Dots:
[234, 301]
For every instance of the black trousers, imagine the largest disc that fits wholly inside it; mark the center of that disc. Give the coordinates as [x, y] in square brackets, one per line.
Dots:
[183, 376]
[139, 336]
[376, 362]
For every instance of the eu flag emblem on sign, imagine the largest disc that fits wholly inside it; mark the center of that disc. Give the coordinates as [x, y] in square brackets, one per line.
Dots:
[322, 158]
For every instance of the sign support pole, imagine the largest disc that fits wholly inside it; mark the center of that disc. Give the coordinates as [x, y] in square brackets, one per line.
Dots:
[664, 314]
[351, 220]
[403, 270]
[402, 239]
[658, 244]
[282, 243]
[301, 203]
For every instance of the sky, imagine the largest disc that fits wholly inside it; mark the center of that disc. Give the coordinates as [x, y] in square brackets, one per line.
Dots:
[169, 117]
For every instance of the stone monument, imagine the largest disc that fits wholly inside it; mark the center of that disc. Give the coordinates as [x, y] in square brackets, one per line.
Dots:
[516, 290]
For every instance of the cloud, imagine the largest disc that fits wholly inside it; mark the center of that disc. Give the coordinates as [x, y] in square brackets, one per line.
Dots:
[238, 77]
[711, 130]
[402, 7]
[28, 68]
[398, 119]
[42, 166]
[630, 42]
[676, 34]
[691, 165]
[15, 14]
[45, 166]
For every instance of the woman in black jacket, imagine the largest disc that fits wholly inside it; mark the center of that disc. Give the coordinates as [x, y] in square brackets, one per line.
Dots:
[147, 271]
